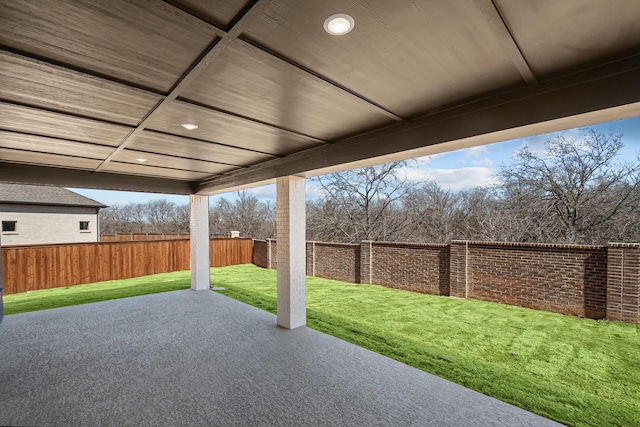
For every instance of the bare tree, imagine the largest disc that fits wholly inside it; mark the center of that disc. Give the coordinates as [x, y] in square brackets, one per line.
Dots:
[361, 204]
[157, 216]
[575, 189]
[161, 215]
[108, 220]
[482, 214]
[433, 213]
[182, 218]
[135, 217]
[246, 214]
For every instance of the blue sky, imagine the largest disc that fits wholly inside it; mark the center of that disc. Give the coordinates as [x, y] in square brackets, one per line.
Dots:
[455, 170]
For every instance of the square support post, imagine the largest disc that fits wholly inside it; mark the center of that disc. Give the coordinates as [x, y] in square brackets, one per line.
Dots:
[199, 244]
[291, 252]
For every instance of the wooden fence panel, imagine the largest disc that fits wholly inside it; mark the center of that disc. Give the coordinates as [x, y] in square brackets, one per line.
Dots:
[28, 268]
[223, 252]
[126, 237]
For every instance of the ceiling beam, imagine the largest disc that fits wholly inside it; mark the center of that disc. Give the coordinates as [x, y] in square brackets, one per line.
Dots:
[44, 175]
[593, 96]
[492, 13]
[215, 50]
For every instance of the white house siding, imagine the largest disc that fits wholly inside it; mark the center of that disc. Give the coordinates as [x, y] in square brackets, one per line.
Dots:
[48, 224]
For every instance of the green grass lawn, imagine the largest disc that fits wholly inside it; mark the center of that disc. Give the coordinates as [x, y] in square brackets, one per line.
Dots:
[95, 292]
[577, 371]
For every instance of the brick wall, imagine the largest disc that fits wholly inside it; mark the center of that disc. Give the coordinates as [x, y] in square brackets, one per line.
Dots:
[336, 261]
[412, 267]
[588, 281]
[557, 278]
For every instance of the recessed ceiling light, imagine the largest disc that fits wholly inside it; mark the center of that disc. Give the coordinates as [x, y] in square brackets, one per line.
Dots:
[339, 24]
[190, 126]
[141, 160]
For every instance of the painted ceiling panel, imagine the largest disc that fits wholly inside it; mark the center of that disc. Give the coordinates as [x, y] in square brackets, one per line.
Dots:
[227, 129]
[29, 120]
[39, 84]
[155, 142]
[251, 83]
[145, 42]
[409, 57]
[558, 35]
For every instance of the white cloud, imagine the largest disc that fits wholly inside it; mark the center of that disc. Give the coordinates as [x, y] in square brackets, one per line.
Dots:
[464, 178]
[453, 179]
[482, 162]
[475, 151]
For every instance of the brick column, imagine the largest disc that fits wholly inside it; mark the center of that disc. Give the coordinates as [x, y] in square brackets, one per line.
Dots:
[458, 268]
[623, 282]
[199, 244]
[366, 254]
[291, 251]
[311, 259]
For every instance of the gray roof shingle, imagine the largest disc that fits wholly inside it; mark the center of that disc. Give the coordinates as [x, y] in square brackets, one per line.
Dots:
[43, 195]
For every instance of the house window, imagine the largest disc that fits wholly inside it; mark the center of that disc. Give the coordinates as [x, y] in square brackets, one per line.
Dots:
[9, 226]
[84, 225]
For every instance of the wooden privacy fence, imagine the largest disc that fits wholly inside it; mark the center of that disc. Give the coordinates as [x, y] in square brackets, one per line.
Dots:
[125, 237]
[28, 268]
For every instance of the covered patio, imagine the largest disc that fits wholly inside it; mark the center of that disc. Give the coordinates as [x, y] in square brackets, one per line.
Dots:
[200, 358]
[198, 98]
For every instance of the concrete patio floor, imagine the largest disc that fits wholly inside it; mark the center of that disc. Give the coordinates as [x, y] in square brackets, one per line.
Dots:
[200, 358]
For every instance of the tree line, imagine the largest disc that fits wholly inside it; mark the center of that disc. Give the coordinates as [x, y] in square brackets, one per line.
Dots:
[253, 218]
[576, 191]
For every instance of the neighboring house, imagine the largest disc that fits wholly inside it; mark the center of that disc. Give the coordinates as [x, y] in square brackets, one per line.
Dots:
[34, 215]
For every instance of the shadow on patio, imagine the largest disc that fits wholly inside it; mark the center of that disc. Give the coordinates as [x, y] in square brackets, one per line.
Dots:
[195, 358]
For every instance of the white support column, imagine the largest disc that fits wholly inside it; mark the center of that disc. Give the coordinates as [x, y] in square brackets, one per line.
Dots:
[199, 235]
[291, 258]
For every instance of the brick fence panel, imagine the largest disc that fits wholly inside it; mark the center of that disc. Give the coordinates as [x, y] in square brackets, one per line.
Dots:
[337, 261]
[412, 267]
[556, 278]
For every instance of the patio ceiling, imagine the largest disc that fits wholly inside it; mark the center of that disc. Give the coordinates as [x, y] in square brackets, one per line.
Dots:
[93, 94]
